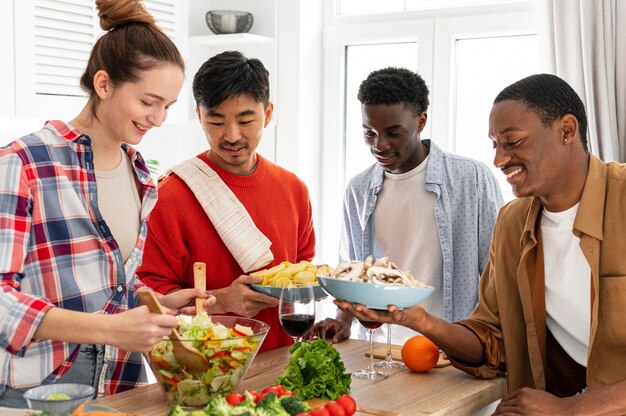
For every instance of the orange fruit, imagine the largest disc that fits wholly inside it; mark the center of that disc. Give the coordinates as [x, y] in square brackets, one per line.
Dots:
[419, 354]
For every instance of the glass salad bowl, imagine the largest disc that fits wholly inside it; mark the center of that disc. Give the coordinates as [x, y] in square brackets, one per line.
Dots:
[228, 343]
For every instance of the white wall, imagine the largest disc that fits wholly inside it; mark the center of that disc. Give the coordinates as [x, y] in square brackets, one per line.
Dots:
[299, 98]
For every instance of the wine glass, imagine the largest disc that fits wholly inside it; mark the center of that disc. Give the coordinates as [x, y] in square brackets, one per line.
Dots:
[389, 362]
[370, 373]
[296, 310]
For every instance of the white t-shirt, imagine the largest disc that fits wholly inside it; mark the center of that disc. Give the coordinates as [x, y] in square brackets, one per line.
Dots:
[119, 203]
[405, 230]
[567, 282]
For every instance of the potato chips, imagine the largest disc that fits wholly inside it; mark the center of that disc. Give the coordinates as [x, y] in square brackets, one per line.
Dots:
[286, 272]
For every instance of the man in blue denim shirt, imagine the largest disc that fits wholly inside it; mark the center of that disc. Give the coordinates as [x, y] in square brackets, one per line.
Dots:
[429, 211]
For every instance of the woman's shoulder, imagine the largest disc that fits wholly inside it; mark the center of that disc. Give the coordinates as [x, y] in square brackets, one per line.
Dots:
[35, 147]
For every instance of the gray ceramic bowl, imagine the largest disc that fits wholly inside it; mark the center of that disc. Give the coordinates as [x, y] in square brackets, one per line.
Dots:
[274, 291]
[229, 21]
[37, 397]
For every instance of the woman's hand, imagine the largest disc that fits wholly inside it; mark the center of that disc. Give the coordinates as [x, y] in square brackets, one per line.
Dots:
[137, 329]
[183, 300]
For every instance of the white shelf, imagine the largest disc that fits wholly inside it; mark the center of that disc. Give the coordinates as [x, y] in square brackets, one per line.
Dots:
[229, 39]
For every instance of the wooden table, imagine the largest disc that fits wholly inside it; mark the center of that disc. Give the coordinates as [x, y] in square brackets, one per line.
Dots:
[441, 391]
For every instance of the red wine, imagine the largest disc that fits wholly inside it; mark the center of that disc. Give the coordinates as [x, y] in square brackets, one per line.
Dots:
[370, 324]
[297, 325]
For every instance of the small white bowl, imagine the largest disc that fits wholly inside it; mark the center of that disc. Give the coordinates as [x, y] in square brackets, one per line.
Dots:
[37, 397]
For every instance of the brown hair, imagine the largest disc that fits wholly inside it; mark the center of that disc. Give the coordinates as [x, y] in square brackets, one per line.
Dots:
[133, 43]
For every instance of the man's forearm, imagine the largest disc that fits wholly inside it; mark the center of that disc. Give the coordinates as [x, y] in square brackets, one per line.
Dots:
[221, 305]
[455, 340]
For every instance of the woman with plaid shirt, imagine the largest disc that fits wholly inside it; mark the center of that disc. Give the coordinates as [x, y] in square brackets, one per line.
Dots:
[74, 198]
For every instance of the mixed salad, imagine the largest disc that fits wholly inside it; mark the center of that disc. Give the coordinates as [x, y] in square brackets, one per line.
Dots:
[227, 350]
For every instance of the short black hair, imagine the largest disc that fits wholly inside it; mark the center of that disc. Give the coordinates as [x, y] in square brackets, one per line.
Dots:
[550, 97]
[229, 74]
[394, 86]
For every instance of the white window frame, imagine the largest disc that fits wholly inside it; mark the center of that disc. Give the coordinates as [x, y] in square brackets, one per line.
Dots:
[436, 32]
[25, 99]
[447, 32]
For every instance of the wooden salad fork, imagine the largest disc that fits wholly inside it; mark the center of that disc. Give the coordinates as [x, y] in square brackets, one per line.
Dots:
[185, 353]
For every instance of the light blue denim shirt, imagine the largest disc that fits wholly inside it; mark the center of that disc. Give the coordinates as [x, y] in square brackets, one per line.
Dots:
[468, 200]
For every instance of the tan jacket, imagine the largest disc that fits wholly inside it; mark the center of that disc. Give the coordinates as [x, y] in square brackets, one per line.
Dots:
[510, 316]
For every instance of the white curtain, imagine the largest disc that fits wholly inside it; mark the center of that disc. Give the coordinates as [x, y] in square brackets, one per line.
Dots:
[585, 44]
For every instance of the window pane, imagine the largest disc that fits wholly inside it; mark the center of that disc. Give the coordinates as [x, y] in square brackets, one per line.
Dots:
[483, 68]
[360, 61]
[389, 6]
[441, 4]
[369, 6]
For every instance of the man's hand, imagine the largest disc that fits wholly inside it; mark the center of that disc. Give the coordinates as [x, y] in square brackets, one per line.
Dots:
[527, 401]
[240, 299]
[413, 318]
[606, 400]
[330, 328]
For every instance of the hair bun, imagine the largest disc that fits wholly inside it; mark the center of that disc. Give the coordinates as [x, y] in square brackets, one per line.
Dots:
[114, 13]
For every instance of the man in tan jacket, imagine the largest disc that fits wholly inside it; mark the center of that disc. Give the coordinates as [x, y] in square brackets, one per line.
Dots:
[552, 296]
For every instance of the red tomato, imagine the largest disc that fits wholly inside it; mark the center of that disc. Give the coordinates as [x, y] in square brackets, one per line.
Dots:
[304, 414]
[241, 334]
[255, 396]
[335, 409]
[278, 389]
[234, 399]
[320, 411]
[289, 393]
[347, 402]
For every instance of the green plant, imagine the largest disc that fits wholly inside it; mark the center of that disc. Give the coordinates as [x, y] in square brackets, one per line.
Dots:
[153, 166]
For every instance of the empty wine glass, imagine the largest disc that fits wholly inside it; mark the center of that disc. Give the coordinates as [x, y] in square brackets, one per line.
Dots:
[370, 373]
[296, 310]
[389, 362]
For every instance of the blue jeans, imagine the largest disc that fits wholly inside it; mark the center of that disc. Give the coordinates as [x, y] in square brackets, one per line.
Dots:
[86, 369]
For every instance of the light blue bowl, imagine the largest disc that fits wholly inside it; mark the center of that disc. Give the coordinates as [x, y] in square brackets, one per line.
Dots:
[374, 296]
[37, 397]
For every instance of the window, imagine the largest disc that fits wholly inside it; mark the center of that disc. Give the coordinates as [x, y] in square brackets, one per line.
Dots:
[356, 7]
[51, 55]
[466, 58]
[483, 67]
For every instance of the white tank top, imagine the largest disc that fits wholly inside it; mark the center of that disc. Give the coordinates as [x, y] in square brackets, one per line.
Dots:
[119, 203]
[568, 284]
[405, 230]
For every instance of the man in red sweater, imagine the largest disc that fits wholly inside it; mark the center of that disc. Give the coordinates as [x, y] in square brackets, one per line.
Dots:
[233, 107]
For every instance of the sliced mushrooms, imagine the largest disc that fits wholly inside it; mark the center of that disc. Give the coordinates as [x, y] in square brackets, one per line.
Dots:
[382, 271]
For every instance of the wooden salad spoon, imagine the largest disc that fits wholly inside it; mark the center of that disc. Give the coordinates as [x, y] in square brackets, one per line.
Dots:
[199, 282]
[185, 353]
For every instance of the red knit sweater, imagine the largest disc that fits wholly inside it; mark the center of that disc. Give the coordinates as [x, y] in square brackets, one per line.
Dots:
[180, 233]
